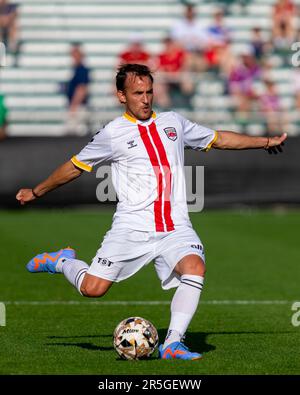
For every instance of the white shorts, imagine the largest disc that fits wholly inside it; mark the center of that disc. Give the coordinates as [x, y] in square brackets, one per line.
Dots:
[124, 252]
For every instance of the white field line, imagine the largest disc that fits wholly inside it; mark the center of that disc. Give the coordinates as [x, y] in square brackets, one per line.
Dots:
[139, 302]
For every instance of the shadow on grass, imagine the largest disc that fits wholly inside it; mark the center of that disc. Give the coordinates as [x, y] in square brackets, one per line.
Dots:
[86, 346]
[79, 337]
[196, 341]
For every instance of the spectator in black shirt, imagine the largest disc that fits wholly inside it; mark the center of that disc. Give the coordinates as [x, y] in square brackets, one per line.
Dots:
[76, 91]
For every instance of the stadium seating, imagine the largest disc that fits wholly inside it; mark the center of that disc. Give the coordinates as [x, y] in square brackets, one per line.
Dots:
[31, 86]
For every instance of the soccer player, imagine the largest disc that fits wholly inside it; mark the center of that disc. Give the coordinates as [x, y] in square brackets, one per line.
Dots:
[146, 152]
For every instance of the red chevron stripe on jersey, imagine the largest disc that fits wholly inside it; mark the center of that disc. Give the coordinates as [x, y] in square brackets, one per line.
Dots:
[155, 164]
[162, 171]
[167, 173]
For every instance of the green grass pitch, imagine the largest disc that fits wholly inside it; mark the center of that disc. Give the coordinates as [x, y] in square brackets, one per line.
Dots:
[252, 256]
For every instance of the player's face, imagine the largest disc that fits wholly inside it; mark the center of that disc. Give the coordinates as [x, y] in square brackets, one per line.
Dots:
[137, 96]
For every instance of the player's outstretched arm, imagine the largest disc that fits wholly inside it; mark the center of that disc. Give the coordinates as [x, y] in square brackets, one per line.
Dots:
[62, 175]
[232, 140]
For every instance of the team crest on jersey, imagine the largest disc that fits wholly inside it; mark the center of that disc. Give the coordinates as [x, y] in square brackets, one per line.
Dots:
[171, 133]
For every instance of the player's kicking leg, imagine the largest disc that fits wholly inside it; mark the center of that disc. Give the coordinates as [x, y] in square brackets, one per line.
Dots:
[63, 261]
[183, 307]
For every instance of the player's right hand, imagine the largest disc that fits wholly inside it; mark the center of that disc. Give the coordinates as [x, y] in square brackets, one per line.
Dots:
[276, 143]
[24, 196]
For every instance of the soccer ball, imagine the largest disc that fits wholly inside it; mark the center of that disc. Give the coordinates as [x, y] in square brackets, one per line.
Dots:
[135, 338]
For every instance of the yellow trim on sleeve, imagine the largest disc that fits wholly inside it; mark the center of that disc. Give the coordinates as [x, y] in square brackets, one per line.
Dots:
[81, 165]
[212, 142]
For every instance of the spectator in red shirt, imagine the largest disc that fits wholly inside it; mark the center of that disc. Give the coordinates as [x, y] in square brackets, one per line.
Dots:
[135, 52]
[171, 75]
[284, 13]
[171, 60]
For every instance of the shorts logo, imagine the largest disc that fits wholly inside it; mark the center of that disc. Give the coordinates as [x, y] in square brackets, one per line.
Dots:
[171, 133]
[105, 262]
[197, 246]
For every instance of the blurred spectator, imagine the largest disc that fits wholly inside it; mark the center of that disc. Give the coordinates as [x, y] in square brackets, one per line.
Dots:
[260, 47]
[282, 44]
[218, 32]
[271, 109]
[267, 67]
[8, 25]
[173, 86]
[241, 82]
[296, 87]
[189, 33]
[284, 13]
[76, 90]
[3, 118]
[228, 5]
[218, 56]
[135, 52]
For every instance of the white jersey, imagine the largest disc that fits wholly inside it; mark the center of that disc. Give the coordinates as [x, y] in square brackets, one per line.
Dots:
[147, 160]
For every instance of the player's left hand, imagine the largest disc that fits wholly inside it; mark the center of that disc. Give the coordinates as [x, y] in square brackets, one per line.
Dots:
[275, 144]
[25, 195]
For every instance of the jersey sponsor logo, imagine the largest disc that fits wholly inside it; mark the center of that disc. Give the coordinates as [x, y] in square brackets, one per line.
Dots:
[131, 144]
[105, 262]
[171, 133]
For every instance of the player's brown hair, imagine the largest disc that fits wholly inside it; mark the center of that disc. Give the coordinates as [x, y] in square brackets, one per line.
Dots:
[139, 70]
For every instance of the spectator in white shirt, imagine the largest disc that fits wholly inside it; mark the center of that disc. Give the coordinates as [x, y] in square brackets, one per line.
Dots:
[193, 37]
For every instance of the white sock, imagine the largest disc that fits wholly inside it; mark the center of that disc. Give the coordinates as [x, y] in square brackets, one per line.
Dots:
[183, 307]
[74, 270]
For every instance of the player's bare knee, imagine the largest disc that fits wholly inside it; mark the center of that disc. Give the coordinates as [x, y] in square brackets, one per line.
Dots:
[202, 269]
[197, 268]
[94, 287]
[91, 290]
[192, 265]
